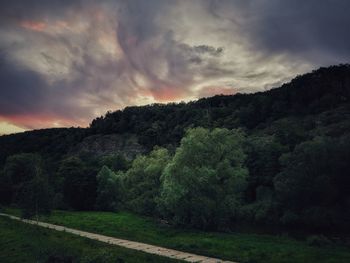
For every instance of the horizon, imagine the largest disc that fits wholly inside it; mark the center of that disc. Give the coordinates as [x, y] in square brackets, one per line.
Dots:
[65, 63]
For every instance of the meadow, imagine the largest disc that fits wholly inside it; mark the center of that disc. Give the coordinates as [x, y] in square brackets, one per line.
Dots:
[26, 243]
[241, 247]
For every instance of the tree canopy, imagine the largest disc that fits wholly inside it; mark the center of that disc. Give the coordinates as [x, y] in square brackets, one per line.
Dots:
[203, 183]
[142, 181]
[109, 190]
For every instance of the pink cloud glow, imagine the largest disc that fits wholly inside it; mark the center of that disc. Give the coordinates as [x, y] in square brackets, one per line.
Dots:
[34, 25]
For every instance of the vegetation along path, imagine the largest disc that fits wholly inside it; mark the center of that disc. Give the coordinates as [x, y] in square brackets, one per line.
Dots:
[170, 253]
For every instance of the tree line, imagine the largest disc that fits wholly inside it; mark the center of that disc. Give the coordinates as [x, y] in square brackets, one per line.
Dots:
[215, 179]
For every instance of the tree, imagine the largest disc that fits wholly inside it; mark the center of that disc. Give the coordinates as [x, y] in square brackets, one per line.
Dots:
[263, 153]
[79, 186]
[35, 196]
[289, 131]
[109, 190]
[115, 162]
[202, 186]
[25, 178]
[5, 189]
[313, 186]
[142, 181]
[18, 170]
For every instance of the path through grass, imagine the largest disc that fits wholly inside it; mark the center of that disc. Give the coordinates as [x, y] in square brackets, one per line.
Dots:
[24, 243]
[237, 247]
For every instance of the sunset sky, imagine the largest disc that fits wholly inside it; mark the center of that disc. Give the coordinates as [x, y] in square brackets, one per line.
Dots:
[65, 62]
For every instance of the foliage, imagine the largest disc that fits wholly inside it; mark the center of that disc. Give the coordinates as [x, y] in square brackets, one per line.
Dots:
[109, 190]
[47, 142]
[263, 153]
[35, 196]
[142, 181]
[115, 162]
[19, 169]
[79, 187]
[314, 184]
[202, 185]
[157, 124]
[26, 184]
[6, 190]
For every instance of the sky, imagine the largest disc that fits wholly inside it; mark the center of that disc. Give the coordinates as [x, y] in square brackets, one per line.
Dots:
[65, 62]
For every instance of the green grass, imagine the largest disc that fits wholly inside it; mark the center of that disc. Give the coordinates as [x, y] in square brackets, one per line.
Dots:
[23, 243]
[239, 247]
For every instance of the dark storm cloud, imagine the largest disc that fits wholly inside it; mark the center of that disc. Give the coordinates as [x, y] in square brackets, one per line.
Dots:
[316, 30]
[25, 93]
[21, 89]
[14, 10]
[304, 26]
[32, 81]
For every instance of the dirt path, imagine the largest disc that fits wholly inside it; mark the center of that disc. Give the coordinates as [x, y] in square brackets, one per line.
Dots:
[161, 251]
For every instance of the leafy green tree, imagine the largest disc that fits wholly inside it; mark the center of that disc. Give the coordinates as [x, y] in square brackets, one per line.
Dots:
[28, 182]
[313, 186]
[202, 186]
[109, 190]
[18, 170]
[115, 162]
[5, 189]
[263, 153]
[142, 181]
[79, 186]
[290, 131]
[35, 196]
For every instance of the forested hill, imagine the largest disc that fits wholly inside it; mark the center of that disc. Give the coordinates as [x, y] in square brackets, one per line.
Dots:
[322, 90]
[316, 101]
[280, 157]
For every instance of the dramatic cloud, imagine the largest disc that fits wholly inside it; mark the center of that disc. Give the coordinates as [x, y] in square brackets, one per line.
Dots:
[313, 30]
[63, 63]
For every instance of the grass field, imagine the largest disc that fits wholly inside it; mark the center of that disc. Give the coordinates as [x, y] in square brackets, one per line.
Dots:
[23, 243]
[239, 247]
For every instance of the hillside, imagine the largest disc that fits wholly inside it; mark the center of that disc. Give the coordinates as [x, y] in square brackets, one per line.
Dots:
[316, 101]
[279, 157]
[326, 89]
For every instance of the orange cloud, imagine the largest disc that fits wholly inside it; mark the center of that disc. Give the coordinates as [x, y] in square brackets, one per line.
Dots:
[41, 121]
[34, 25]
[164, 94]
[216, 90]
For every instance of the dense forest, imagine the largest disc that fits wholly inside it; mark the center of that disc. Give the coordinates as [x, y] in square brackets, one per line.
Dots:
[280, 158]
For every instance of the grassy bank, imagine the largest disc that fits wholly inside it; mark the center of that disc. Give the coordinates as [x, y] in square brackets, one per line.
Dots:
[239, 247]
[23, 243]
